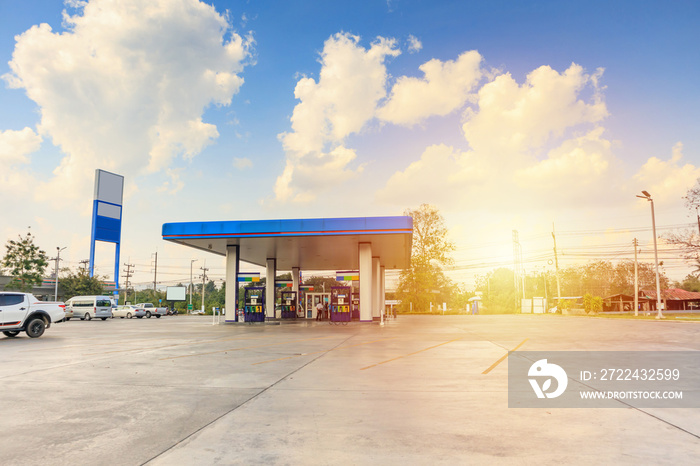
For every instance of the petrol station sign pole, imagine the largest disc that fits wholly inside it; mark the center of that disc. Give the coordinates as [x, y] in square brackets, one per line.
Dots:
[107, 217]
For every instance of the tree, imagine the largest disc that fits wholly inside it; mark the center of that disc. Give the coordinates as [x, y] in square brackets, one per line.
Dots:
[321, 283]
[689, 283]
[498, 291]
[592, 303]
[689, 240]
[25, 263]
[80, 283]
[424, 281]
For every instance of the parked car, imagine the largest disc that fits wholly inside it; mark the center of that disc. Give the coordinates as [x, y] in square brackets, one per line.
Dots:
[127, 311]
[87, 307]
[197, 312]
[151, 310]
[24, 312]
[69, 314]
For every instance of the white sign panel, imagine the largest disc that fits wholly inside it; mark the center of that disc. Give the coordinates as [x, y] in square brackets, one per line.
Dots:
[109, 187]
[175, 293]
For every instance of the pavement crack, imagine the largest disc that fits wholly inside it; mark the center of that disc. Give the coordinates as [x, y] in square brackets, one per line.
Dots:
[253, 397]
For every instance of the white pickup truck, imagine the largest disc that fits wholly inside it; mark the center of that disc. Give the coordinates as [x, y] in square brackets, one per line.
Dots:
[23, 312]
[151, 310]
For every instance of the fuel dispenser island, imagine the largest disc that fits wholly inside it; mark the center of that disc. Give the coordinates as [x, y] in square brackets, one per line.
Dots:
[289, 304]
[356, 306]
[255, 304]
[341, 297]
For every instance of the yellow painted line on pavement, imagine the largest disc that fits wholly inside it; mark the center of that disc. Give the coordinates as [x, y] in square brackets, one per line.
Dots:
[409, 354]
[504, 356]
[243, 348]
[319, 352]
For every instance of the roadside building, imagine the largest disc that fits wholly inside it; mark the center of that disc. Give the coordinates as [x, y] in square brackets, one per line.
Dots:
[674, 299]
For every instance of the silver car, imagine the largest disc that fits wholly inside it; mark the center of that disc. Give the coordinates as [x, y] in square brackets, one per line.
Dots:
[127, 311]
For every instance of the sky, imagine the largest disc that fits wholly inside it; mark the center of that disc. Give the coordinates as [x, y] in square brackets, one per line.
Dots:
[505, 115]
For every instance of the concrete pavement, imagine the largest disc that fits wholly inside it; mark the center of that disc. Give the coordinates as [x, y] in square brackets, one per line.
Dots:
[178, 390]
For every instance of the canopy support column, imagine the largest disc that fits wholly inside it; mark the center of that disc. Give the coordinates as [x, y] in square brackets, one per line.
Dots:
[295, 280]
[271, 272]
[382, 289]
[365, 261]
[231, 298]
[376, 285]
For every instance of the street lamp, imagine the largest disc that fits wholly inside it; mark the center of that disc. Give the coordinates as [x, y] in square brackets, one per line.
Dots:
[58, 259]
[192, 261]
[647, 196]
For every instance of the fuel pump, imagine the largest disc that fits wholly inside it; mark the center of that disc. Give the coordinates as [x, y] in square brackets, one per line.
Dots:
[255, 304]
[341, 297]
[289, 304]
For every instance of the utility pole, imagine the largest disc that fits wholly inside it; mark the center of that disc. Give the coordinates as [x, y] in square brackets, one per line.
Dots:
[204, 279]
[636, 280]
[556, 266]
[155, 275]
[517, 265]
[84, 264]
[544, 273]
[57, 259]
[192, 261]
[128, 273]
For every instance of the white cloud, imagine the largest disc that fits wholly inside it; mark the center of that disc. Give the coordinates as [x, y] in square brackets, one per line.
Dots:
[579, 161]
[15, 147]
[513, 119]
[351, 83]
[314, 173]
[174, 184]
[414, 45]
[444, 88]
[442, 173]
[16, 177]
[125, 87]
[667, 180]
[521, 153]
[242, 163]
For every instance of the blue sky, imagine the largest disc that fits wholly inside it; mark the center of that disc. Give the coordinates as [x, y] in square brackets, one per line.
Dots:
[506, 115]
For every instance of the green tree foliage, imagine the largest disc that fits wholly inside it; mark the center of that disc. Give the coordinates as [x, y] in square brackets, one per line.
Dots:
[565, 305]
[689, 283]
[592, 304]
[600, 278]
[498, 291]
[25, 263]
[424, 281]
[322, 283]
[79, 283]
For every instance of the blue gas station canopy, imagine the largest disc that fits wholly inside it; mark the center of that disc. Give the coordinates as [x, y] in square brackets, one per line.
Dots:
[311, 244]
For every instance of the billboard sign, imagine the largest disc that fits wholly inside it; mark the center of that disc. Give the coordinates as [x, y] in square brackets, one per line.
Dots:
[175, 293]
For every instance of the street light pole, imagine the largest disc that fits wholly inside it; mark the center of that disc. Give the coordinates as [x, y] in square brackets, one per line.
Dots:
[58, 259]
[647, 196]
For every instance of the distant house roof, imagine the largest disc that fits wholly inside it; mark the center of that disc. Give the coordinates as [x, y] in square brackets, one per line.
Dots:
[674, 294]
[620, 297]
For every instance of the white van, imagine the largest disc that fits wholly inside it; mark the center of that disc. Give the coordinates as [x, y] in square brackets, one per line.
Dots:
[87, 307]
